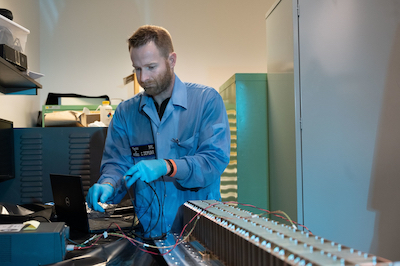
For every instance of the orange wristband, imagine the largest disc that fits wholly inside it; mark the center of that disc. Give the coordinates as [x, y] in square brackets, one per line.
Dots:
[171, 167]
[174, 164]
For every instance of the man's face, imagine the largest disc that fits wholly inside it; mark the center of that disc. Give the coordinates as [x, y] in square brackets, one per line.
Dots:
[153, 71]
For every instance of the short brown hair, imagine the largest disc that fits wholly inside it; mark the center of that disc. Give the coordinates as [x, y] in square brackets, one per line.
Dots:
[147, 33]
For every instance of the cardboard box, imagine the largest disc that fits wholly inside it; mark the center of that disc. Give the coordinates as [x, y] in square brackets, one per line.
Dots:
[86, 119]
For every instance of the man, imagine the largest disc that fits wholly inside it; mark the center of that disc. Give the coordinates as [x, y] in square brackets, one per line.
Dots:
[170, 143]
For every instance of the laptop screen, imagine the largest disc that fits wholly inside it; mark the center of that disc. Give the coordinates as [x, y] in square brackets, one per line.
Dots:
[69, 201]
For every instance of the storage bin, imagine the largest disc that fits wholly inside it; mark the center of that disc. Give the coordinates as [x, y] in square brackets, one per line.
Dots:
[46, 109]
[19, 34]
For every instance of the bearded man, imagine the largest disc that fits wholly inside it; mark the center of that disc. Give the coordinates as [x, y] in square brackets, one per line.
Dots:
[169, 144]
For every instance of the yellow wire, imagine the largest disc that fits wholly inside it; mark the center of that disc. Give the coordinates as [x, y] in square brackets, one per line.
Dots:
[267, 212]
[287, 216]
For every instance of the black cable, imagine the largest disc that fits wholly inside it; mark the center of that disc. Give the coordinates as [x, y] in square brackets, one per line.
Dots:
[159, 207]
[133, 204]
[160, 213]
[163, 202]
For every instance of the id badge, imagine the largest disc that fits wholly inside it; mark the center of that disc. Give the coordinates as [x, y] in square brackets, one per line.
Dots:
[143, 150]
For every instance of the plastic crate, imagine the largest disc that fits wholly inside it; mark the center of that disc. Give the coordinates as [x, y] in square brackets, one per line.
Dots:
[20, 34]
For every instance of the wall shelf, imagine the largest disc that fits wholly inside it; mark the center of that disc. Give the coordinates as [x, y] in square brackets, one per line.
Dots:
[13, 80]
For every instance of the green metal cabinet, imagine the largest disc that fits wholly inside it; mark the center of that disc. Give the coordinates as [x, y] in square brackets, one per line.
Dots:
[246, 178]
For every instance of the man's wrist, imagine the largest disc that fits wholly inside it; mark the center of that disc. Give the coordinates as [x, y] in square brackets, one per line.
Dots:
[171, 168]
[108, 183]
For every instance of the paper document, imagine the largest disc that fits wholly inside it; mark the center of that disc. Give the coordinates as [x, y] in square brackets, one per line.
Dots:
[11, 227]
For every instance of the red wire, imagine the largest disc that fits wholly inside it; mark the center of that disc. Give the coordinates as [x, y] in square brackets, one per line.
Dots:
[184, 228]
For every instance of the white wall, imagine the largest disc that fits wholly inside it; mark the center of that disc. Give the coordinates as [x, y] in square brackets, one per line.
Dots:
[80, 45]
[21, 109]
[84, 42]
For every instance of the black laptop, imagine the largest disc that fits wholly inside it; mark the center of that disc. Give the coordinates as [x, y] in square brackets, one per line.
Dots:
[70, 207]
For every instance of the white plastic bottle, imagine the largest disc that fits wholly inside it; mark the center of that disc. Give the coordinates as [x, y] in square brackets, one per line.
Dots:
[105, 112]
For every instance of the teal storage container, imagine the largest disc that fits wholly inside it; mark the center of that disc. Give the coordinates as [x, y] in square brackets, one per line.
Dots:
[246, 178]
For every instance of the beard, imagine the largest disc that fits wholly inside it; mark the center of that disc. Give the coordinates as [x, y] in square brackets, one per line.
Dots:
[160, 83]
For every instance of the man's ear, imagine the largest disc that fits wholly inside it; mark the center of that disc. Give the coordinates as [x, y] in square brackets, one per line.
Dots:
[172, 59]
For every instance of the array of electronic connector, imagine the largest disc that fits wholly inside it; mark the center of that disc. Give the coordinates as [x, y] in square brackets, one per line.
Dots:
[239, 237]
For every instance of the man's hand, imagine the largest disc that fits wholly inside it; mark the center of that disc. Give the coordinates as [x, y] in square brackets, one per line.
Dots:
[146, 170]
[99, 192]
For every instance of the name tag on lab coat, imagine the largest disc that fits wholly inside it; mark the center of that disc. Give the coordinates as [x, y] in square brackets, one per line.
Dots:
[143, 150]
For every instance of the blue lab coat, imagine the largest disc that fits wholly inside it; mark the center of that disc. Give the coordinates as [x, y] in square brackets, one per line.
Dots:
[194, 132]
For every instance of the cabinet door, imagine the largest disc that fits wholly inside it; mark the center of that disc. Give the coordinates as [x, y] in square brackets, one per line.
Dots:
[284, 110]
[349, 69]
[60, 150]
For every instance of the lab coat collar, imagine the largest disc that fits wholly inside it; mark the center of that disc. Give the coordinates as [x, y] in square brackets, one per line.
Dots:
[179, 95]
[178, 98]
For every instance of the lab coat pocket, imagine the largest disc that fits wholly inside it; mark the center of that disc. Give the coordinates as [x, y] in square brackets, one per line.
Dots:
[186, 147]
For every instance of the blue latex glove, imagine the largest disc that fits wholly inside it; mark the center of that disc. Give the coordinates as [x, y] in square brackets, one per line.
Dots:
[99, 192]
[146, 170]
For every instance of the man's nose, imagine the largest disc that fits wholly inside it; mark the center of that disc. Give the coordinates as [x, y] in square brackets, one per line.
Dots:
[144, 76]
